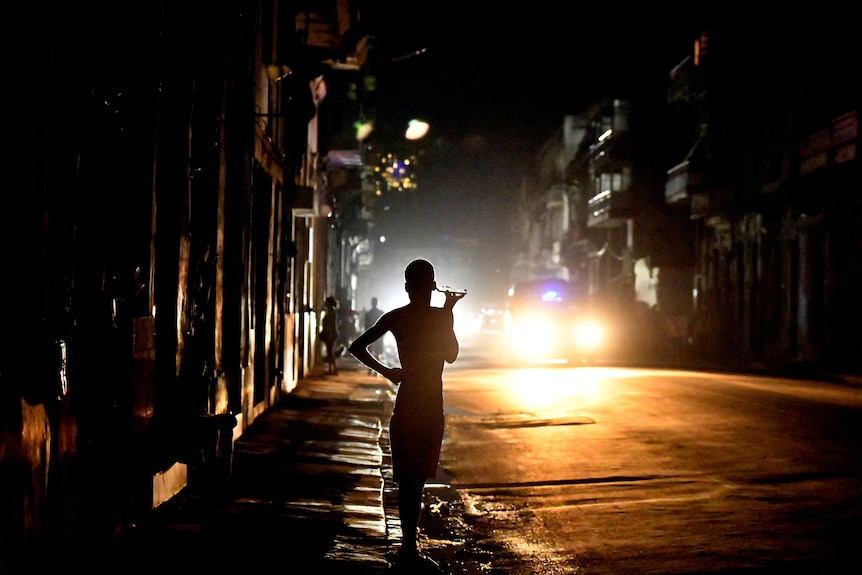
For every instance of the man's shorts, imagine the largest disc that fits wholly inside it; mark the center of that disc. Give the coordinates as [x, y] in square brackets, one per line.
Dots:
[416, 442]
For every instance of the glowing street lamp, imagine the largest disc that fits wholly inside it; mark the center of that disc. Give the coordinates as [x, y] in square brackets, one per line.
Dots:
[416, 130]
[363, 130]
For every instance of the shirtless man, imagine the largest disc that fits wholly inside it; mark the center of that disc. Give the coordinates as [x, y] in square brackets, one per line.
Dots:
[426, 339]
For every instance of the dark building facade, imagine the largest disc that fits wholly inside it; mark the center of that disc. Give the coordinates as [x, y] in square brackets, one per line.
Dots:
[765, 125]
[165, 250]
[721, 218]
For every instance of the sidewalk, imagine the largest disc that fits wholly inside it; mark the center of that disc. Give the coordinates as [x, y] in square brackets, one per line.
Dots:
[310, 491]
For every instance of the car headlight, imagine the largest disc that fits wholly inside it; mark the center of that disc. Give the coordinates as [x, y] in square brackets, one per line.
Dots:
[589, 334]
[532, 335]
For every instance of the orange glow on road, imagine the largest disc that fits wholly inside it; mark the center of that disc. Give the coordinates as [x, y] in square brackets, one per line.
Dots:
[538, 390]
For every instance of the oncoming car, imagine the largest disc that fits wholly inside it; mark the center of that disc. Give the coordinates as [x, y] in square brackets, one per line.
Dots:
[491, 319]
[551, 320]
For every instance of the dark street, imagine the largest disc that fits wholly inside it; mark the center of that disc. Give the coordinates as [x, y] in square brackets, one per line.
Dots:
[560, 470]
[650, 210]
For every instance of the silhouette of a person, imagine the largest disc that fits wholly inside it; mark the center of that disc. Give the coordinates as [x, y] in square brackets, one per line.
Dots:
[329, 332]
[368, 319]
[425, 337]
[347, 317]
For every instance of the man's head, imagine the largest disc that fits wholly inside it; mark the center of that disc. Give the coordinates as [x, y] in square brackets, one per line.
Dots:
[419, 276]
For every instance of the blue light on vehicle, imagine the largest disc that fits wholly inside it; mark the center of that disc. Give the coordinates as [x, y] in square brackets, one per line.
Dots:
[551, 295]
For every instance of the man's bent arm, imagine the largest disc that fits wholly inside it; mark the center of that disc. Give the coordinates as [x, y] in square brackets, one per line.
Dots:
[359, 350]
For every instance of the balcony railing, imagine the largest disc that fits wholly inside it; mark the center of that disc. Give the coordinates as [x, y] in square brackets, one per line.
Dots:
[683, 182]
[609, 209]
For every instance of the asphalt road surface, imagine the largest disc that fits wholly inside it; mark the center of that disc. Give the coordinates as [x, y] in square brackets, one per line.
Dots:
[610, 470]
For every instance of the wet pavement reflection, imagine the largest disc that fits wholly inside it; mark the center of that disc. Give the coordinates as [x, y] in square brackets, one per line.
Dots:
[311, 487]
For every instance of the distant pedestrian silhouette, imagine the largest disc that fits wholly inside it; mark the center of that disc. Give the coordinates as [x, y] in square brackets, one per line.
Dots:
[347, 329]
[329, 332]
[368, 319]
[425, 337]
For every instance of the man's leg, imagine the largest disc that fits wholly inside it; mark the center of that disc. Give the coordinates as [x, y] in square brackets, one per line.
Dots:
[409, 510]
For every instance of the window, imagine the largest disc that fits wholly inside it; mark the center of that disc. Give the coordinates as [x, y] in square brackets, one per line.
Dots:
[614, 181]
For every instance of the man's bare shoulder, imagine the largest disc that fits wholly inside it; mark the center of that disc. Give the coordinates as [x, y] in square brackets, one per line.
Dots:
[395, 315]
[415, 315]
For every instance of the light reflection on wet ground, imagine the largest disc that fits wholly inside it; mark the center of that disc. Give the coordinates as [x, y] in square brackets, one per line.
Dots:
[311, 481]
[527, 420]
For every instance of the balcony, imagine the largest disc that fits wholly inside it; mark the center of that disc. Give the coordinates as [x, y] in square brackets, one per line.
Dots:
[682, 183]
[610, 209]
